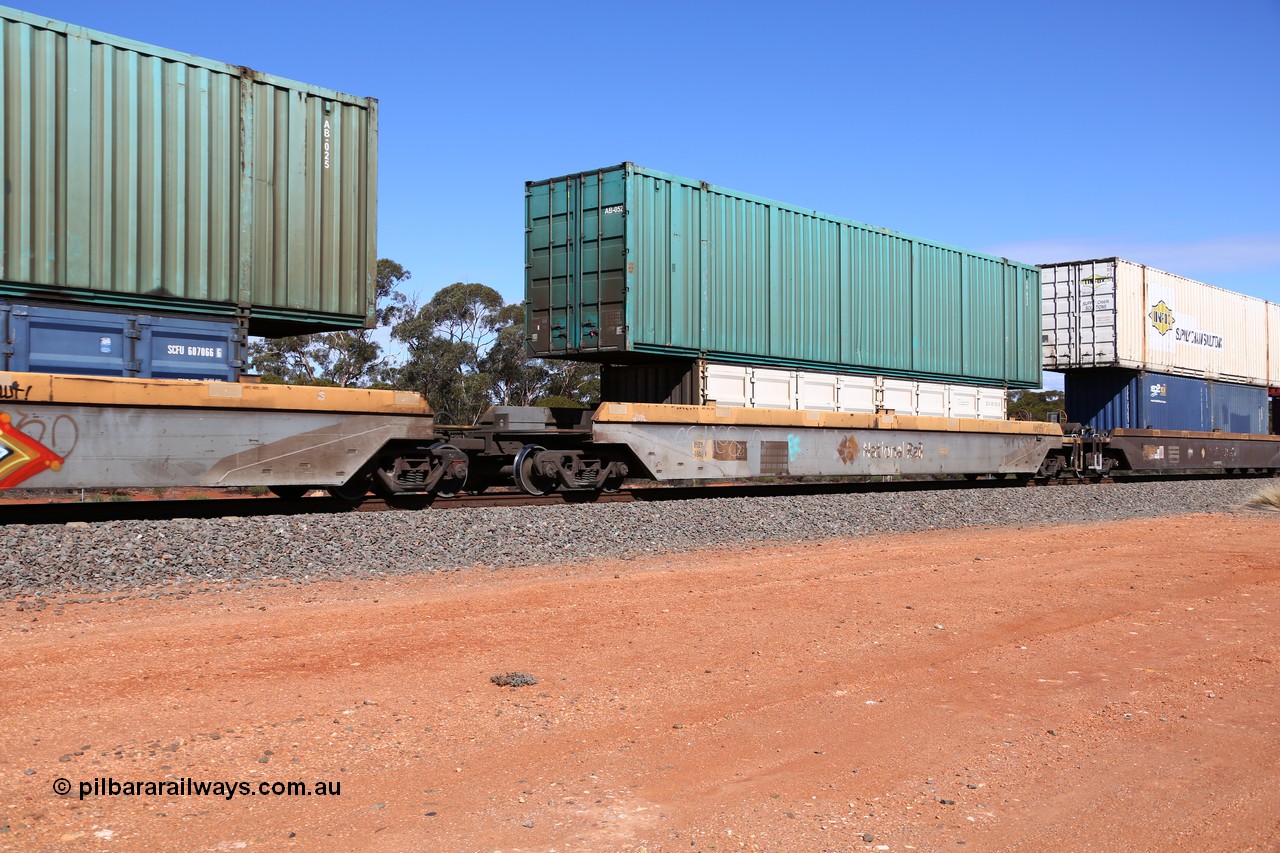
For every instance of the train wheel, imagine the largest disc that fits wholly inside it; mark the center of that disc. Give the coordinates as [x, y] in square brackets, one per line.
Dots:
[352, 491]
[525, 472]
[453, 477]
[289, 493]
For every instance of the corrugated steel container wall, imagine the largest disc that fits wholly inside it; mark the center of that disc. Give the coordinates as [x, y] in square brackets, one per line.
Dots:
[627, 264]
[1115, 313]
[141, 177]
[1107, 399]
[1273, 344]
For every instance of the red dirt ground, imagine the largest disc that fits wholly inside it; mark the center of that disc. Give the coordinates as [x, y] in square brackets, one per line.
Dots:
[1106, 687]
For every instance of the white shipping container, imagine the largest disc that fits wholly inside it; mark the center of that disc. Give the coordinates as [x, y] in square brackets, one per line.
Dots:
[1115, 313]
[769, 388]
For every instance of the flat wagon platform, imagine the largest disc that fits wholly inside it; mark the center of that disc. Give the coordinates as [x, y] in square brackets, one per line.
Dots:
[61, 431]
[711, 442]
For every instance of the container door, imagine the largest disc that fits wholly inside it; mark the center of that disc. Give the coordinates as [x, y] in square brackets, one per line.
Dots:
[1079, 315]
[576, 279]
[602, 240]
[57, 340]
[547, 268]
[177, 348]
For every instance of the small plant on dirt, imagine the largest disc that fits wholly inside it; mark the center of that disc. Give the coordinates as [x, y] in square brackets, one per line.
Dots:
[513, 679]
[119, 498]
[159, 491]
[256, 491]
[1267, 498]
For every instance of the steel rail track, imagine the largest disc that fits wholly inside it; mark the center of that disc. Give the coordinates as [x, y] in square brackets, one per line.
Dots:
[98, 511]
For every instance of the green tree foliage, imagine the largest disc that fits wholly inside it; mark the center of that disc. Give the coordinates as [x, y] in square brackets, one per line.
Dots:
[446, 341]
[466, 352]
[518, 380]
[570, 383]
[1035, 405]
[348, 359]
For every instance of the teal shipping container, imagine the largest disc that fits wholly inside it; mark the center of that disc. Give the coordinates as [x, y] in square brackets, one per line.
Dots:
[628, 265]
[140, 178]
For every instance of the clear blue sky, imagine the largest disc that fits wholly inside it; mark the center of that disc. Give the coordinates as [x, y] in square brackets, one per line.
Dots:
[1038, 131]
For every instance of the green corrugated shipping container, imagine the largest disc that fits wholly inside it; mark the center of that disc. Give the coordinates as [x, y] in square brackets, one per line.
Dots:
[139, 177]
[627, 265]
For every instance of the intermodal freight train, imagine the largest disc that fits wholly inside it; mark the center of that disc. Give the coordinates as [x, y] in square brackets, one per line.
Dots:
[738, 337]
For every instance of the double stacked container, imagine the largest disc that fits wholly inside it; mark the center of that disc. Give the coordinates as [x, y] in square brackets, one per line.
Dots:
[1146, 349]
[142, 179]
[629, 266]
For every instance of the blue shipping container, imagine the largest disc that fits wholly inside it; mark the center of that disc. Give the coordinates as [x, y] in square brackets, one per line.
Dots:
[46, 339]
[1107, 399]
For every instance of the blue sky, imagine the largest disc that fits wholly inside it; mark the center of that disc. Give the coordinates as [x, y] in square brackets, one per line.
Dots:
[1038, 131]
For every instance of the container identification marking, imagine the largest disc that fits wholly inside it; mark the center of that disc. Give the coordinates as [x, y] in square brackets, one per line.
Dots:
[327, 134]
[198, 351]
[613, 208]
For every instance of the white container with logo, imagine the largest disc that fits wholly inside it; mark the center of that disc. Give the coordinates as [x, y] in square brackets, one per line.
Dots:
[1115, 313]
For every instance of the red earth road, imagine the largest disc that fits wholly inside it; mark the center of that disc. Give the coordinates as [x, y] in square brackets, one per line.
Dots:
[1100, 687]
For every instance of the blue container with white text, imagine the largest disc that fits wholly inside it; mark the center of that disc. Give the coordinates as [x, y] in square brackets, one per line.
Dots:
[54, 339]
[1107, 399]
